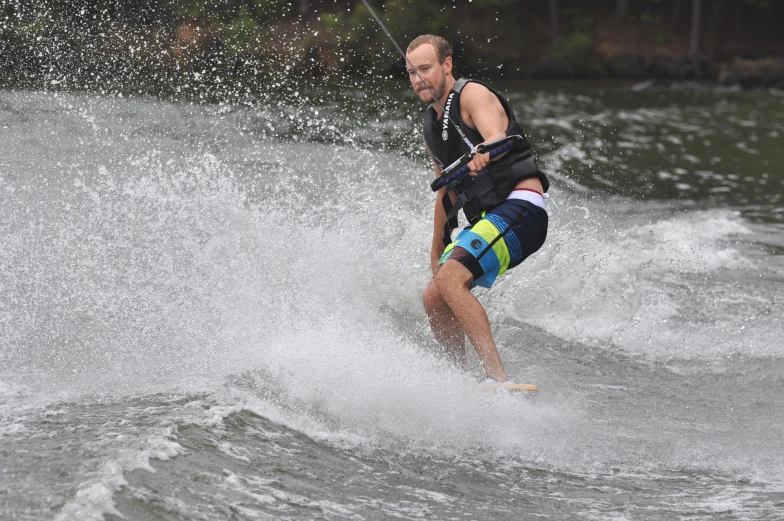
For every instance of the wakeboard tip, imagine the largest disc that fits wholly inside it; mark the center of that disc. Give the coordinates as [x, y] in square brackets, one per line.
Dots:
[514, 388]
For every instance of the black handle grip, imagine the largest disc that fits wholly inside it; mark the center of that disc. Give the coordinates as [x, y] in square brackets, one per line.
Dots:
[458, 169]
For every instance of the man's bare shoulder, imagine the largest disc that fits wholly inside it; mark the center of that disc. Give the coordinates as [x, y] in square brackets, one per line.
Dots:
[475, 96]
[476, 93]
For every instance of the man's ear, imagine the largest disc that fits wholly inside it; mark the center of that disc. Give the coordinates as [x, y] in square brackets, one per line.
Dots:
[448, 65]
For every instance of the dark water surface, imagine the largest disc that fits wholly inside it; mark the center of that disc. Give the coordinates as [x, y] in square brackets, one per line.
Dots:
[213, 312]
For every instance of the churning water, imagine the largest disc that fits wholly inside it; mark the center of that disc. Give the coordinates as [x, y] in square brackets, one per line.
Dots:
[213, 312]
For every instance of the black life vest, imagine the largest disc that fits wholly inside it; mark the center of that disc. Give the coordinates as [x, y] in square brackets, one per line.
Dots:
[493, 184]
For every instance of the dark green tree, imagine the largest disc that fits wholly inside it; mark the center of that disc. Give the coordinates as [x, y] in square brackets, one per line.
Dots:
[694, 41]
[621, 8]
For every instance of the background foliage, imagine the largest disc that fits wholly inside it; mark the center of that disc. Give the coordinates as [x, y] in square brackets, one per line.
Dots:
[159, 45]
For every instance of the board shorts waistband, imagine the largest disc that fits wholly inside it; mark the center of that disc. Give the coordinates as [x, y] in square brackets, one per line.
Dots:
[532, 196]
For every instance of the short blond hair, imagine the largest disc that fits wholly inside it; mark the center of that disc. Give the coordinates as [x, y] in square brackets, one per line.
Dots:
[443, 48]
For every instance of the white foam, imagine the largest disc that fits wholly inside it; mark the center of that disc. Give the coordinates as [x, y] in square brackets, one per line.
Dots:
[666, 288]
[95, 496]
[12, 429]
[347, 383]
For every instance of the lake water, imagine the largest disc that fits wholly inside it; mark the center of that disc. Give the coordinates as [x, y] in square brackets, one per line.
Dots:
[213, 312]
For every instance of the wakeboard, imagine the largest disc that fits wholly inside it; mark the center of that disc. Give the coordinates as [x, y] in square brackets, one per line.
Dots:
[514, 388]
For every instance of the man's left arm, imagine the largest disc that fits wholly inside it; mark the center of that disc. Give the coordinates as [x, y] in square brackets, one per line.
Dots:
[483, 111]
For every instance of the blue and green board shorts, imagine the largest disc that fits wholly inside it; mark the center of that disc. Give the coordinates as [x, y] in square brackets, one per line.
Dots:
[527, 235]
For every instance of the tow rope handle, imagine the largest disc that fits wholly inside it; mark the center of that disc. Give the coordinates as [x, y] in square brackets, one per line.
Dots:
[459, 168]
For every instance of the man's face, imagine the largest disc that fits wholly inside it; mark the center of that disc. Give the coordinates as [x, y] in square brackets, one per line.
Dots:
[425, 60]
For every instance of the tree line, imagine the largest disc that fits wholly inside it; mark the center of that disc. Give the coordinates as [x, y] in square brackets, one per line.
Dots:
[122, 40]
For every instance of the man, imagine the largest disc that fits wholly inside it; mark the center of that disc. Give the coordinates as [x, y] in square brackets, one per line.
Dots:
[503, 201]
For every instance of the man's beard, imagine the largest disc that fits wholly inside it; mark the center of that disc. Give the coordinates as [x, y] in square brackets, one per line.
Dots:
[438, 90]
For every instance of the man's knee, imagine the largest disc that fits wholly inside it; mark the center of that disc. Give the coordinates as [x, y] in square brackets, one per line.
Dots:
[432, 299]
[452, 277]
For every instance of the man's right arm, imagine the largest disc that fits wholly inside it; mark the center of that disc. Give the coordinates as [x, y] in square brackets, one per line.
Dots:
[439, 222]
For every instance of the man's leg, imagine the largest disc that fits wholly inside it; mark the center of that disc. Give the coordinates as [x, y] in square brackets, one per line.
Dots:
[445, 325]
[452, 282]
